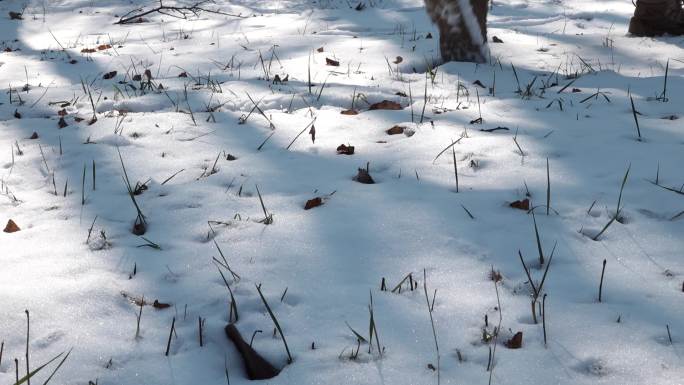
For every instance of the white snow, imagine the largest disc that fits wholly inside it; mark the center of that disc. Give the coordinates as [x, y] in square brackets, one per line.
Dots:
[330, 259]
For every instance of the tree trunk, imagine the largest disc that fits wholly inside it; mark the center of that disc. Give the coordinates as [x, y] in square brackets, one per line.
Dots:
[462, 28]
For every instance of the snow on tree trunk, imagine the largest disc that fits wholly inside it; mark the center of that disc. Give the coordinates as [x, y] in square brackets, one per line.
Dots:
[462, 28]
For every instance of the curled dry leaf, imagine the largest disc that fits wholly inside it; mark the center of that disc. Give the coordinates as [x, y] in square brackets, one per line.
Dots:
[496, 39]
[364, 177]
[88, 50]
[320, 49]
[521, 205]
[137, 77]
[396, 130]
[109, 75]
[398, 60]
[349, 112]
[103, 47]
[479, 84]
[34, 135]
[311, 203]
[17, 114]
[160, 305]
[515, 342]
[62, 123]
[183, 74]
[15, 16]
[345, 150]
[332, 62]
[11, 227]
[385, 105]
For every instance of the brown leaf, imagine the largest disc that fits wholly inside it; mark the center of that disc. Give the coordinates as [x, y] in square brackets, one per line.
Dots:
[148, 74]
[522, 205]
[137, 77]
[364, 177]
[331, 62]
[160, 305]
[345, 150]
[396, 130]
[78, 119]
[109, 75]
[11, 227]
[103, 47]
[385, 105]
[398, 60]
[34, 135]
[479, 84]
[15, 16]
[312, 132]
[62, 112]
[73, 61]
[320, 49]
[88, 50]
[495, 39]
[183, 75]
[402, 94]
[62, 123]
[429, 35]
[17, 114]
[515, 342]
[311, 203]
[349, 112]
[8, 49]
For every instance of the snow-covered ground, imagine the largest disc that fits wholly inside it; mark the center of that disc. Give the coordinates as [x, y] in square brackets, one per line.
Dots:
[319, 268]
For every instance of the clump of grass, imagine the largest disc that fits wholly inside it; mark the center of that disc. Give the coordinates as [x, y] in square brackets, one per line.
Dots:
[618, 209]
[275, 322]
[140, 223]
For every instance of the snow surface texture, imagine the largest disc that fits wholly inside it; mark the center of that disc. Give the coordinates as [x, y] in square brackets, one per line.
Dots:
[331, 257]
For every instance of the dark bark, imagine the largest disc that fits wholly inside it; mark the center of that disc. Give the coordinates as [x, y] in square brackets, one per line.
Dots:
[462, 28]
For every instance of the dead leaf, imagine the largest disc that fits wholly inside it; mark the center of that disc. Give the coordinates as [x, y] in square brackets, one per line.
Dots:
[515, 342]
[62, 123]
[34, 135]
[11, 227]
[103, 47]
[62, 112]
[320, 49]
[495, 39]
[479, 84]
[109, 75]
[522, 205]
[364, 177]
[312, 132]
[398, 60]
[345, 150]
[183, 75]
[349, 112]
[88, 50]
[148, 74]
[385, 105]
[429, 35]
[17, 114]
[311, 203]
[15, 16]
[136, 78]
[396, 130]
[331, 62]
[78, 119]
[402, 94]
[160, 305]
